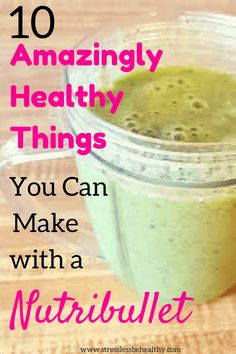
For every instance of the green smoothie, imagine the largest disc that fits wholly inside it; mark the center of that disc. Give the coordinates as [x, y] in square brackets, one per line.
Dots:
[159, 237]
[177, 104]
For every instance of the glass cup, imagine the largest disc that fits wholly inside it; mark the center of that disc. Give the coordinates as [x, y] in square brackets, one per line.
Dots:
[168, 222]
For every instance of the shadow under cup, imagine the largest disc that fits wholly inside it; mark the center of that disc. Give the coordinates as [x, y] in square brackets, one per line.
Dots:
[168, 223]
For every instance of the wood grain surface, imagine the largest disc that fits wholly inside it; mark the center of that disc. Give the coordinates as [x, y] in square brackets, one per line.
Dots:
[212, 328]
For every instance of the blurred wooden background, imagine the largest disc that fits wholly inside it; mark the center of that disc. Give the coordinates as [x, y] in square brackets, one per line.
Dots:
[212, 328]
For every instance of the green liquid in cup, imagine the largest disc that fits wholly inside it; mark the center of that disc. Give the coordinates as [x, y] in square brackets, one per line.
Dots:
[163, 238]
[177, 104]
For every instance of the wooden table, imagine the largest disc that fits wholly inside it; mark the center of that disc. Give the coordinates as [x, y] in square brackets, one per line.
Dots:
[212, 328]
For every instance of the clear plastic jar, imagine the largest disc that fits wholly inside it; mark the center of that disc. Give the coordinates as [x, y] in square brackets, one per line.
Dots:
[169, 221]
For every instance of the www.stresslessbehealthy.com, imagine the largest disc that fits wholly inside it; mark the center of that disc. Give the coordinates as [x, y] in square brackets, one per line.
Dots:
[139, 349]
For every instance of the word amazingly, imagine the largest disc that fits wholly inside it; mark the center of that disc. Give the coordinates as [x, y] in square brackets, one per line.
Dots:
[57, 140]
[127, 59]
[68, 98]
[66, 308]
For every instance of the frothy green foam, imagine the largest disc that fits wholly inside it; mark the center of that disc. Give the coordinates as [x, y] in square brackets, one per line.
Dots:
[182, 104]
